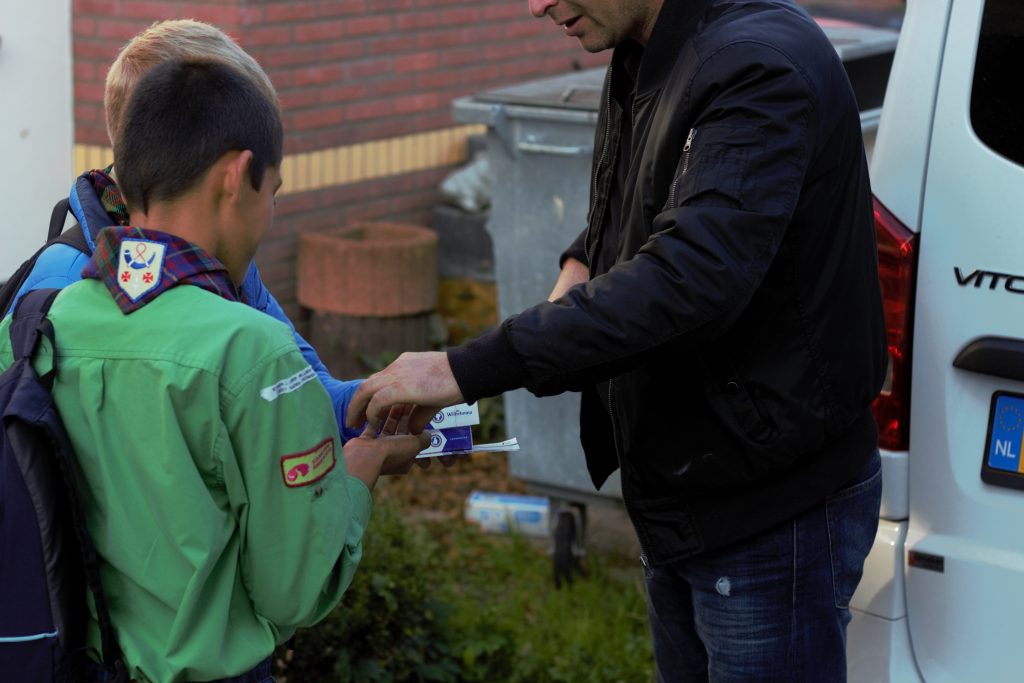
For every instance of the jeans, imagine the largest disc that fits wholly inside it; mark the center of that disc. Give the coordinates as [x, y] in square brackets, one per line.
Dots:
[258, 674]
[773, 607]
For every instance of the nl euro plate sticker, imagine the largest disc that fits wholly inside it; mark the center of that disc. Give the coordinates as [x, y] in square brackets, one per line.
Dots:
[1006, 434]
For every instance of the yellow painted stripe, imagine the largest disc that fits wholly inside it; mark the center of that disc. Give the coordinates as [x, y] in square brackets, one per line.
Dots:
[1020, 456]
[347, 164]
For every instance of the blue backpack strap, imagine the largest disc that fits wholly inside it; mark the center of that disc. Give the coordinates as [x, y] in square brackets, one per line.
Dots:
[28, 325]
[30, 320]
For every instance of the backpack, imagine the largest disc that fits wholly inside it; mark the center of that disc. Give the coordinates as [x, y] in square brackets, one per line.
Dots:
[73, 237]
[47, 559]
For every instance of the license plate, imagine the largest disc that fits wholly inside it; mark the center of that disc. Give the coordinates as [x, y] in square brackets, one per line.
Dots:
[1003, 465]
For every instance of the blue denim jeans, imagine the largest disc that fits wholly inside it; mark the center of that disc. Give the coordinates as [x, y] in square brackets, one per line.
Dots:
[773, 607]
[258, 674]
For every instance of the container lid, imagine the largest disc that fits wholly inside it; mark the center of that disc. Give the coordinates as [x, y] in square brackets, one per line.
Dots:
[576, 90]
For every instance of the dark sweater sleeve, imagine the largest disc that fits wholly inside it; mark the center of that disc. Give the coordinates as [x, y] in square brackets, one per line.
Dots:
[576, 250]
[487, 366]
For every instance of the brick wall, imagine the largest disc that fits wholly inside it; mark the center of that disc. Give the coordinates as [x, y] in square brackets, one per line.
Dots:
[365, 85]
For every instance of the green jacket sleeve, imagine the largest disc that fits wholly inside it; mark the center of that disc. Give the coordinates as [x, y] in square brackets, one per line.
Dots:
[301, 515]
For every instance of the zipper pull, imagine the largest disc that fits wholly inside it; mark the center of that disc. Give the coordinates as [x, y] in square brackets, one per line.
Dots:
[689, 139]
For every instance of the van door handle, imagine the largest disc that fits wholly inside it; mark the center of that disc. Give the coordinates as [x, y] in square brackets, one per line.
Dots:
[995, 356]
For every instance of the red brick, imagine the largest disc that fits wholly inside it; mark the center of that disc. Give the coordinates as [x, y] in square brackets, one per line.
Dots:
[364, 25]
[530, 29]
[88, 92]
[280, 78]
[103, 8]
[416, 103]
[503, 52]
[369, 68]
[437, 79]
[391, 44]
[319, 118]
[520, 70]
[286, 55]
[368, 110]
[467, 55]
[316, 75]
[421, 61]
[508, 10]
[294, 203]
[339, 50]
[342, 92]
[434, 40]
[86, 71]
[221, 16]
[83, 26]
[87, 112]
[250, 16]
[482, 34]
[104, 50]
[461, 15]
[289, 11]
[333, 8]
[390, 86]
[118, 30]
[150, 10]
[319, 31]
[391, 5]
[296, 99]
[95, 134]
[417, 21]
[268, 35]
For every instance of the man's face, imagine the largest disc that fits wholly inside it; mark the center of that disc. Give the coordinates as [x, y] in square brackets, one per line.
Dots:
[601, 24]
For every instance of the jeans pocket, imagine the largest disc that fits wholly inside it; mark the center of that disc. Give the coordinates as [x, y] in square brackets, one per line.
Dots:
[852, 515]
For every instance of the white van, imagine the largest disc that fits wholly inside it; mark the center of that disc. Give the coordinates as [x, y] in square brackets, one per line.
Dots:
[942, 597]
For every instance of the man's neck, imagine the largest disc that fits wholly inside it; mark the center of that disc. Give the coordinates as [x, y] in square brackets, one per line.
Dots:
[191, 219]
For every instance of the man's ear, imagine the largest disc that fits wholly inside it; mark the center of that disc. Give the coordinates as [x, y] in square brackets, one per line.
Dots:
[236, 174]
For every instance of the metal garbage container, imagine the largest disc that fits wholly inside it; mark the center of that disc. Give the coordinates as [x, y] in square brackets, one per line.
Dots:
[540, 141]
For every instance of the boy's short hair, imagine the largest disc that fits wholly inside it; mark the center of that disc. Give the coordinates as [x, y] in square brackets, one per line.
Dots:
[166, 40]
[185, 115]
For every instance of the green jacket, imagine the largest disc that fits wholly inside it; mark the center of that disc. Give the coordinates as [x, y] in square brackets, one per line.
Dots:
[214, 484]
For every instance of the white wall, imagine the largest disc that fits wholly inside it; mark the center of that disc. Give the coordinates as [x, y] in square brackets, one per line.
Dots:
[36, 122]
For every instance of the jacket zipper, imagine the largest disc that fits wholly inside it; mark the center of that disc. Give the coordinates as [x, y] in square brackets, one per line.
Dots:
[600, 162]
[686, 165]
[618, 456]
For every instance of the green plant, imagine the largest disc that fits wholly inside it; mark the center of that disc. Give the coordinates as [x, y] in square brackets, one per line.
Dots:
[442, 601]
[389, 625]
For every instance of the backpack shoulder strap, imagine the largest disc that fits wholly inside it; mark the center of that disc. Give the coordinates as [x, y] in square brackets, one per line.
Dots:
[30, 321]
[28, 324]
[73, 237]
[57, 216]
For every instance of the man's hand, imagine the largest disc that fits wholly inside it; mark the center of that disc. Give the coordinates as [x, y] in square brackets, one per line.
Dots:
[573, 273]
[423, 380]
[393, 451]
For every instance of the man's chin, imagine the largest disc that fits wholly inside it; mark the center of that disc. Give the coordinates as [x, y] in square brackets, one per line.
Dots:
[594, 44]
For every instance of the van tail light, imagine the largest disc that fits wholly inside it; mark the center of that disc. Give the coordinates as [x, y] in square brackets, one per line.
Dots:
[897, 264]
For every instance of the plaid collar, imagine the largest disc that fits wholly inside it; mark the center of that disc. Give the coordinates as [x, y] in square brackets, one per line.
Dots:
[137, 265]
[109, 194]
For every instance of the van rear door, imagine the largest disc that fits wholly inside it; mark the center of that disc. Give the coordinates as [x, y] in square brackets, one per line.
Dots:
[965, 540]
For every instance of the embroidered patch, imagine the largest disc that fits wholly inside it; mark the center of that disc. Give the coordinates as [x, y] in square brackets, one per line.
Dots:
[139, 267]
[302, 469]
[288, 384]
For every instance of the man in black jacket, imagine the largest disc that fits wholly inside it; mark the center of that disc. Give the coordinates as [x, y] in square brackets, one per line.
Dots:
[722, 317]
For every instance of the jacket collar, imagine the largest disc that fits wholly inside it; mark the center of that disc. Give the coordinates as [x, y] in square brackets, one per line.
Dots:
[87, 207]
[677, 23]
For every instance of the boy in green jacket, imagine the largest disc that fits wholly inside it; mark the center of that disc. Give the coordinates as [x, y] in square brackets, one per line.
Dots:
[221, 504]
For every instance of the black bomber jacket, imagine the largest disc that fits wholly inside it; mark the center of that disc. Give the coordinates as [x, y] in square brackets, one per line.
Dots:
[738, 339]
